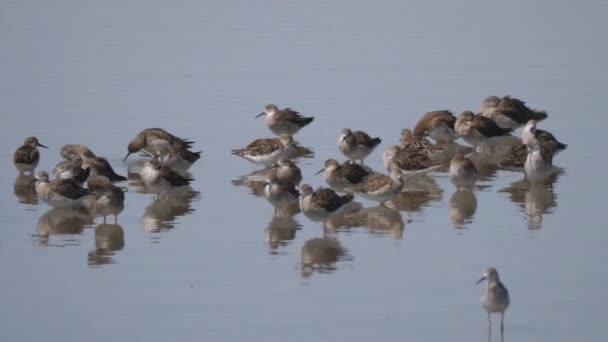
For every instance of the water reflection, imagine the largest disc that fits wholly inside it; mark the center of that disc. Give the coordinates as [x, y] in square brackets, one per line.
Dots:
[463, 205]
[449, 150]
[256, 182]
[535, 199]
[109, 238]
[280, 232]
[62, 221]
[380, 220]
[167, 207]
[320, 255]
[419, 192]
[25, 189]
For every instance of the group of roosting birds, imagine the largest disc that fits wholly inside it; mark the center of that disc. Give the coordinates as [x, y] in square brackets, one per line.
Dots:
[171, 157]
[489, 132]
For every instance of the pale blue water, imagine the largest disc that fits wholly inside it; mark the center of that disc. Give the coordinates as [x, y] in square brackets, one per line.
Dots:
[97, 73]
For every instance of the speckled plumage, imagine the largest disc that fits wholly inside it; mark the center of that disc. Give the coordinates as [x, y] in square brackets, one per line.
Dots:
[284, 121]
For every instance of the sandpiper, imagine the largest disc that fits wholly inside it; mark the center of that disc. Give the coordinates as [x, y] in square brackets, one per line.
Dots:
[530, 133]
[515, 158]
[267, 151]
[509, 113]
[320, 204]
[156, 142]
[280, 195]
[438, 125]
[418, 144]
[98, 165]
[287, 172]
[157, 176]
[71, 168]
[60, 193]
[463, 172]
[27, 156]
[340, 176]
[539, 161]
[284, 121]
[409, 141]
[180, 158]
[357, 145]
[478, 130]
[411, 163]
[109, 199]
[494, 297]
[380, 187]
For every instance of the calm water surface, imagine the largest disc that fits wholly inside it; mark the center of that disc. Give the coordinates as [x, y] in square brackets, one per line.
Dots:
[198, 267]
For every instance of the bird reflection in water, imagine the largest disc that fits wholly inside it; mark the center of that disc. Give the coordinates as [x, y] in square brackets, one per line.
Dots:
[419, 192]
[487, 166]
[380, 220]
[165, 209]
[109, 238]
[321, 255]
[535, 199]
[25, 189]
[280, 232]
[62, 221]
[463, 205]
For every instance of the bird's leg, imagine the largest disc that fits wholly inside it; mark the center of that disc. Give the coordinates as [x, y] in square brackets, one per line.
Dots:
[502, 325]
[489, 328]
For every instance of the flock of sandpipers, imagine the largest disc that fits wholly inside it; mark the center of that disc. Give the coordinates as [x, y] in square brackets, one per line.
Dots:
[170, 157]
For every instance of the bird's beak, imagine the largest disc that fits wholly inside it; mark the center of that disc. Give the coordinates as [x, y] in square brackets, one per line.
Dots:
[127, 156]
[480, 280]
[320, 171]
[257, 116]
[40, 145]
[33, 181]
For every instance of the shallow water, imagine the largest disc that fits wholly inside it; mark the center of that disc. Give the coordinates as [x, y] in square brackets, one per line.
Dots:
[198, 266]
